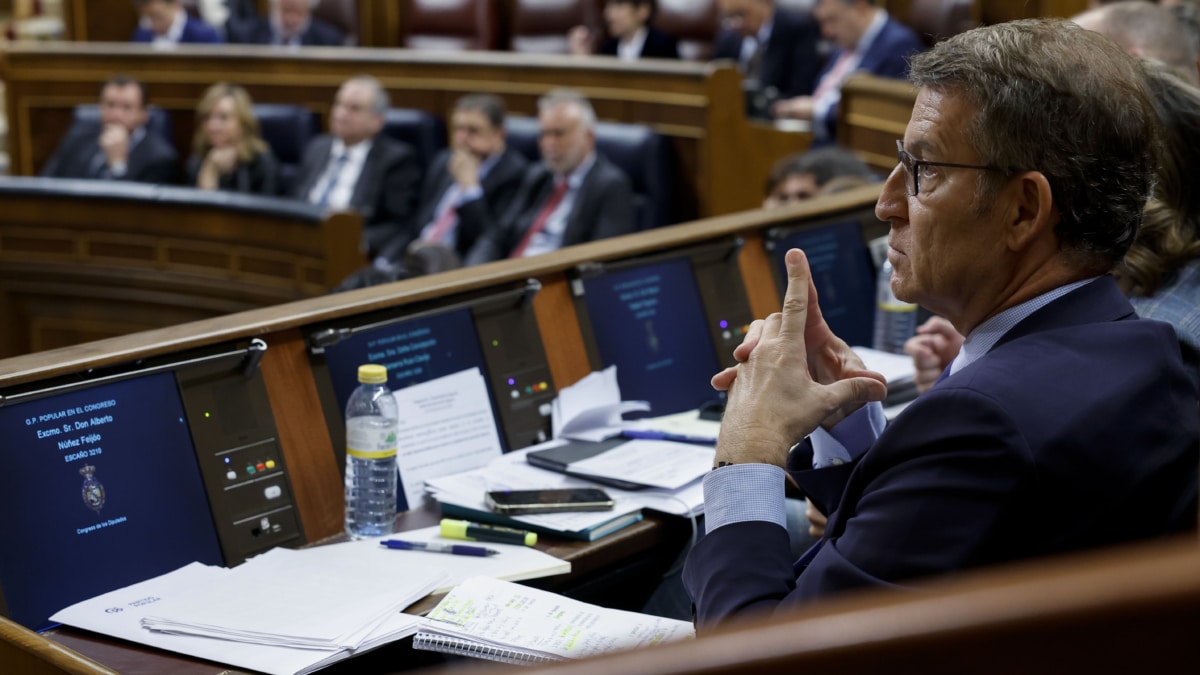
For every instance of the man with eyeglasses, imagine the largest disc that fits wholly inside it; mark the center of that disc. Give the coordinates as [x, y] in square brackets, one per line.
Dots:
[1066, 423]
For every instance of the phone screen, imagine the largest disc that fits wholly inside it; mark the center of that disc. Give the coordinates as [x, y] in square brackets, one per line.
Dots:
[563, 496]
[513, 502]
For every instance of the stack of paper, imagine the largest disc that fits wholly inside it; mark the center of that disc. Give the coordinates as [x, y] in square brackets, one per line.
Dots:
[294, 611]
[463, 494]
[277, 613]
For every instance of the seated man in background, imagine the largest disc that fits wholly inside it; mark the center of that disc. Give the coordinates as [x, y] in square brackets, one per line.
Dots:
[805, 175]
[775, 49]
[572, 196]
[1149, 30]
[1007, 211]
[356, 167]
[121, 148]
[866, 39]
[166, 22]
[630, 34]
[289, 23]
[468, 185]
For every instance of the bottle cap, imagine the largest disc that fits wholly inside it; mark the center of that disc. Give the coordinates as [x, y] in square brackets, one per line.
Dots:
[372, 373]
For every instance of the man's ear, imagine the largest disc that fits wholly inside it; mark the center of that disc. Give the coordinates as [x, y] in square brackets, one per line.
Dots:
[1034, 215]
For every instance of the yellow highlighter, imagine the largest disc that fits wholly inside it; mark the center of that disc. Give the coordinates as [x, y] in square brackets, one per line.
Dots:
[465, 529]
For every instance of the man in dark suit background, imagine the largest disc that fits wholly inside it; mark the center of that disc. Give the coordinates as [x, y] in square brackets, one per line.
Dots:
[468, 185]
[166, 22]
[867, 40]
[288, 23]
[775, 49]
[356, 167]
[631, 34]
[121, 147]
[1066, 422]
[572, 196]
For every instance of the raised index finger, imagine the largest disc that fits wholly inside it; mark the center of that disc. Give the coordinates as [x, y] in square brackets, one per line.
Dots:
[797, 297]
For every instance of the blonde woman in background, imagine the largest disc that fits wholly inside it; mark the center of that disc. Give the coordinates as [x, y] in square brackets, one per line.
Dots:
[228, 152]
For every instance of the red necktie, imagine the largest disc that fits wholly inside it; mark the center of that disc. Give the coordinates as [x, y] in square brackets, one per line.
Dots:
[556, 197]
[834, 76]
[443, 224]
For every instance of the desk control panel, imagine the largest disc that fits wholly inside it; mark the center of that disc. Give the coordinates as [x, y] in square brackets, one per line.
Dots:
[241, 462]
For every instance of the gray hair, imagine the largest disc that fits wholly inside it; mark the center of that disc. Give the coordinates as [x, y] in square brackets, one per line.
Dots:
[380, 101]
[1146, 29]
[562, 95]
[1052, 97]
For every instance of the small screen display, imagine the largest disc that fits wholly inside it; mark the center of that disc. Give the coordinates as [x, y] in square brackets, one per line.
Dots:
[414, 351]
[650, 322]
[843, 274]
[99, 488]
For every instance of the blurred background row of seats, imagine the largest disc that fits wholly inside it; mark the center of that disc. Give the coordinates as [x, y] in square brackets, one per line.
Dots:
[541, 26]
[643, 154]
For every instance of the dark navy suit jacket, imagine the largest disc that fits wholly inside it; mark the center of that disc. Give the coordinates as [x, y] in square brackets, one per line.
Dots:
[257, 31]
[499, 189]
[658, 45]
[886, 57]
[790, 62]
[385, 194]
[151, 160]
[194, 31]
[603, 208]
[1077, 430]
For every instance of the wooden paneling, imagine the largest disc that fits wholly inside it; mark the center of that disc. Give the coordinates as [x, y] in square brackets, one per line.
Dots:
[722, 160]
[873, 115]
[85, 264]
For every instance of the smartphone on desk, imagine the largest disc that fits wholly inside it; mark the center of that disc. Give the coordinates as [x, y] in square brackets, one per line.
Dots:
[515, 502]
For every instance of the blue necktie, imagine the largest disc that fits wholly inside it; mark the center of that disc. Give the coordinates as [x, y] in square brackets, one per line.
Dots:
[334, 174]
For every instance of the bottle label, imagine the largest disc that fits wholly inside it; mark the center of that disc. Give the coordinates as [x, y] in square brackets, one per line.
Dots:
[370, 443]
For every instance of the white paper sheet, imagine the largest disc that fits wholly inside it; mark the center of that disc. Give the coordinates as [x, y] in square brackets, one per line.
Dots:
[446, 426]
[663, 464]
[119, 613]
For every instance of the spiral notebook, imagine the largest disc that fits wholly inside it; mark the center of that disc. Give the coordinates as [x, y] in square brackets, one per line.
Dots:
[502, 621]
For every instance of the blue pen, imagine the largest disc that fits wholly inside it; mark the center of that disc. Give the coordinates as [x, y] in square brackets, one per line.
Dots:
[439, 547]
[665, 436]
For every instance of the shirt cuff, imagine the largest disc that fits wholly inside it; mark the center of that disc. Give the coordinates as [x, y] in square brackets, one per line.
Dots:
[744, 492]
[849, 438]
[118, 169]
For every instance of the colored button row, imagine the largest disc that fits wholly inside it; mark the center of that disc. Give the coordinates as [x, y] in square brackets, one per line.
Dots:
[252, 469]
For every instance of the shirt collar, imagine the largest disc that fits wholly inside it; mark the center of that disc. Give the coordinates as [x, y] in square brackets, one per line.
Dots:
[987, 334]
[635, 44]
[764, 31]
[575, 178]
[357, 152]
[488, 162]
[872, 31]
[175, 32]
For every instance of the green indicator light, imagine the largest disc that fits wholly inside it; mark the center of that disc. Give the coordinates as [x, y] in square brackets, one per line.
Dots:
[495, 343]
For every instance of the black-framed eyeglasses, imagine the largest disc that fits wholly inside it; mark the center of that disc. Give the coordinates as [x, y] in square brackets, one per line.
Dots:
[912, 168]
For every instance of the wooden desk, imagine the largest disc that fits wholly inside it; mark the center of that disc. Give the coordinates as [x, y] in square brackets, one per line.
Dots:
[88, 653]
[83, 260]
[698, 106]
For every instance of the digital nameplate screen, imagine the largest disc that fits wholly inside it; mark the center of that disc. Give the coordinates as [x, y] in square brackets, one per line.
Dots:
[842, 273]
[650, 322]
[415, 350]
[100, 488]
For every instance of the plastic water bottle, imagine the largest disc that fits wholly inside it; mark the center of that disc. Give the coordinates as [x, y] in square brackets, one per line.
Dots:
[371, 425]
[895, 319]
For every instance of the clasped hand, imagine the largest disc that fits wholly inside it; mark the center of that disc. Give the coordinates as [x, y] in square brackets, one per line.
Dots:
[793, 375]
